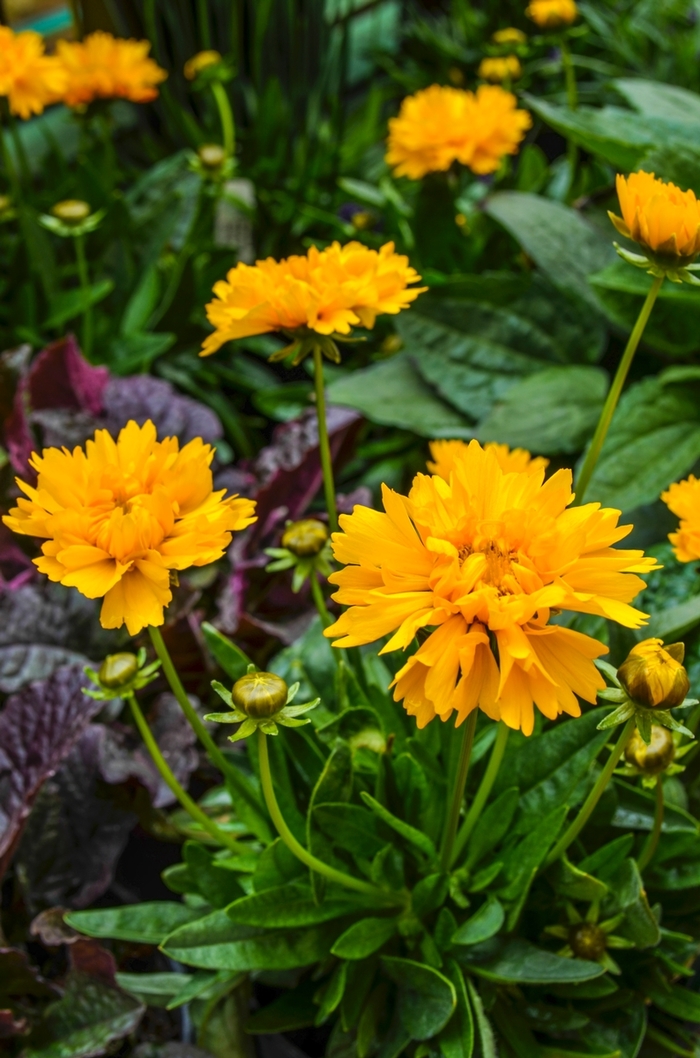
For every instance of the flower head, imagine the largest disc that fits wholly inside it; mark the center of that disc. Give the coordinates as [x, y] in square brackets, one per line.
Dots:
[653, 675]
[664, 220]
[200, 62]
[438, 126]
[500, 68]
[328, 291]
[552, 14]
[446, 454]
[482, 560]
[683, 498]
[29, 78]
[120, 515]
[104, 67]
[509, 35]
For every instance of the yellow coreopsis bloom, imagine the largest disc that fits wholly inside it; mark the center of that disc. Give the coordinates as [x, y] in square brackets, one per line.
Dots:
[664, 220]
[441, 125]
[29, 78]
[683, 498]
[200, 61]
[500, 68]
[104, 67]
[653, 675]
[552, 14]
[483, 560]
[446, 454]
[120, 515]
[328, 291]
[509, 35]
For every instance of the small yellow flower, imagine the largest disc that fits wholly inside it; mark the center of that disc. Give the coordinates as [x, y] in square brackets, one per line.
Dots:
[552, 14]
[500, 68]
[653, 675]
[104, 67]
[664, 220]
[28, 78]
[119, 516]
[510, 35]
[683, 498]
[446, 454]
[200, 61]
[442, 125]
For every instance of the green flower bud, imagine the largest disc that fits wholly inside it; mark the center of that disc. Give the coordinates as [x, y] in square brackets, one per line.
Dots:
[5, 204]
[305, 538]
[654, 758]
[653, 675]
[118, 669]
[211, 155]
[72, 211]
[259, 695]
[587, 941]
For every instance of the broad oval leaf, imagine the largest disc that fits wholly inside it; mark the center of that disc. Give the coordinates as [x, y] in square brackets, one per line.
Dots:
[427, 999]
[148, 923]
[520, 962]
[484, 924]
[365, 937]
[291, 905]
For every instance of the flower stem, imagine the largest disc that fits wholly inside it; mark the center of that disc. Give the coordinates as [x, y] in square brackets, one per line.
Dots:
[323, 442]
[613, 396]
[485, 787]
[228, 127]
[653, 840]
[452, 821]
[573, 831]
[169, 779]
[296, 847]
[569, 74]
[84, 278]
[319, 600]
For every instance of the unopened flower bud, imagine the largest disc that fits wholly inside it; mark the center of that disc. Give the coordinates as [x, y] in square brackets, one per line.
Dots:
[393, 343]
[211, 155]
[654, 758]
[653, 675]
[362, 219]
[259, 694]
[200, 61]
[5, 204]
[305, 538]
[587, 941]
[71, 211]
[118, 669]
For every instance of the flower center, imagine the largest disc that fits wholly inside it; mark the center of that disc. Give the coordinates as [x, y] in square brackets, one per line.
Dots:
[490, 559]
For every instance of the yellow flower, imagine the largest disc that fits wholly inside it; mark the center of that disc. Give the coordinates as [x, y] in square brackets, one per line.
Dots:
[441, 125]
[329, 291]
[683, 498]
[551, 14]
[447, 454]
[660, 217]
[29, 78]
[120, 515]
[482, 561]
[653, 675]
[104, 67]
[500, 68]
[510, 35]
[200, 61]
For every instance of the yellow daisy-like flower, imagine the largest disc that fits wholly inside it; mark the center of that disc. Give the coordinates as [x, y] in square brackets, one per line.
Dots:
[200, 61]
[653, 674]
[28, 78]
[329, 291]
[683, 498]
[446, 454]
[483, 560]
[104, 67]
[500, 68]
[120, 515]
[552, 14]
[441, 125]
[660, 217]
[509, 35]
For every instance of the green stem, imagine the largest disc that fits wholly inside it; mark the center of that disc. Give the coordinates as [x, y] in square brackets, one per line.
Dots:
[569, 75]
[203, 23]
[228, 127]
[573, 831]
[653, 839]
[183, 797]
[485, 787]
[19, 149]
[668, 1044]
[296, 847]
[452, 821]
[319, 600]
[613, 396]
[84, 278]
[323, 442]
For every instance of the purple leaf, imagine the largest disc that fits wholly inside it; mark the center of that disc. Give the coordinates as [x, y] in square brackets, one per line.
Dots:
[143, 397]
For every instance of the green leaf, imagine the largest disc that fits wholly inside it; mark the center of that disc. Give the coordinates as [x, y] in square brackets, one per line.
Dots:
[292, 1010]
[230, 657]
[72, 303]
[130, 353]
[486, 1037]
[429, 894]
[606, 860]
[87, 1019]
[655, 99]
[148, 923]
[677, 1001]
[292, 905]
[514, 1028]
[639, 925]
[484, 924]
[217, 885]
[142, 302]
[457, 1038]
[553, 411]
[365, 937]
[332, 994]
[636, 807]
[426, 999]
[414, 837]
[520, 962]
[573, 883]
[676, 163]
[352, 828]
[493, 825]
[154, 987]
[672, 624]
[204, 986]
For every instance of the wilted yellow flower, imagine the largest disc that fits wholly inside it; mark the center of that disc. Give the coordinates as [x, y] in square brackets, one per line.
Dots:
[660, 217]
[104, 67]
[683, 498]
[653, 675]
[551, 14]
[29, 78]
[486, 557]
[446, 454]
[441, 125]
[329, 291]
[200, 61]
[500, 68]
[510, 35]
[120, 515]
